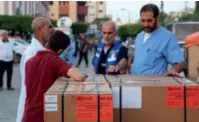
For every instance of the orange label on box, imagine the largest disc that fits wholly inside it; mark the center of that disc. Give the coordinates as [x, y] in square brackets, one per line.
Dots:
[175, 97]
[106, 107]
[87, 107]
[192, 96]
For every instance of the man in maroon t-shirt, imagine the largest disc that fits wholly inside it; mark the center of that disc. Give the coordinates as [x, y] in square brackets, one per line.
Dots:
[42, 71]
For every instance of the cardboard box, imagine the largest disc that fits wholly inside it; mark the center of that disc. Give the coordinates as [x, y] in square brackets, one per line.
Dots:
[153, 99]
[193, 61]
[91, 78]
[78, 102]
[192, 98]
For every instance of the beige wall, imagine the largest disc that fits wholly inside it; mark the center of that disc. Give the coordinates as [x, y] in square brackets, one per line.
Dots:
[54, 9]
[73, 10]
[1, 7]
[93, 10]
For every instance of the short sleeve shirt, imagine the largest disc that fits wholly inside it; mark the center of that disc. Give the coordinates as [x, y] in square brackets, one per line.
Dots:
[41, 72]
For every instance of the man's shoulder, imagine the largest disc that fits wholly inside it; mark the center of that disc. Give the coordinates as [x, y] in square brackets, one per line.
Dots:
[29, 51]
[166, 31]
[141, 33]
[123, 48]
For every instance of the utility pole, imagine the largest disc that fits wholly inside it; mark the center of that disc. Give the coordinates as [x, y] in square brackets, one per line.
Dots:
[129, 14]
[162, 6]
[186, 5]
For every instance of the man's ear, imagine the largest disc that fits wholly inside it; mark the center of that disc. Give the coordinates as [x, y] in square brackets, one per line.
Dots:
[59, 51]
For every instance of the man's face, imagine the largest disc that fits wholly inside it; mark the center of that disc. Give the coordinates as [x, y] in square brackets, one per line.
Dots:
[47, 30]
[108, 33]
[4, 36]
[149, 23]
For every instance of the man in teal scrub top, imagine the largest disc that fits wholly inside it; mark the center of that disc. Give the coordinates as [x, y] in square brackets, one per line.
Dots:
[155, 47]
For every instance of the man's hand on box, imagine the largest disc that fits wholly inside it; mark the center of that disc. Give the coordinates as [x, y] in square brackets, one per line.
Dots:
[172, 72]
[113, 68]
[76, 75]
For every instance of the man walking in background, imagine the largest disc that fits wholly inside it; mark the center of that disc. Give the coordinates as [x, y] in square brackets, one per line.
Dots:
[83, 50]
[7, 56]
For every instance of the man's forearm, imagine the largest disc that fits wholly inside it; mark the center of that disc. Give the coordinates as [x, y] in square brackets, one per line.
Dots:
[179, 67]
[15, 56]
[123, 63]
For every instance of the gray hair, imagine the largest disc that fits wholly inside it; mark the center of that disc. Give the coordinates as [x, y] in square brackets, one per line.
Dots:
[3, 32]
[38, 22]
[113, 23]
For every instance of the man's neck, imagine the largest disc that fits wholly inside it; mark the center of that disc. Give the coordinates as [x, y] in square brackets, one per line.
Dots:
[40, 40]
[47, 49]
[108, 45]
[5, 40]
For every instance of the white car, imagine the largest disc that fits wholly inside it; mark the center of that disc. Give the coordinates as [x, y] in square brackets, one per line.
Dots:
[19, 47]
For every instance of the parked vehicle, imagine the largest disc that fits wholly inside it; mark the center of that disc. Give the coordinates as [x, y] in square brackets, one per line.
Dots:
[19, 47]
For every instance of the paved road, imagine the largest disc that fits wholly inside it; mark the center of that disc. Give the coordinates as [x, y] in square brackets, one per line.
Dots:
[9, 99]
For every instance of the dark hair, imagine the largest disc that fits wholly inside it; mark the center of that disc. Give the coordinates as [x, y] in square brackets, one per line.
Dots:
[150, 8]
[58, 40]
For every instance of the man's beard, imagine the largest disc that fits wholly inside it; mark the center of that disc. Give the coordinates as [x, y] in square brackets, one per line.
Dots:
[108, 42]
[149, 29]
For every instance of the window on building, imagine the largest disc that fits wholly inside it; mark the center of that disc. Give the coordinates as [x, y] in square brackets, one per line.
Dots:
[91, 14]
[81, 3]
[81, 18]
[100, 11]
[51, 2]
[63, 15]
[65, 2]
[59, 2]
[52, 14]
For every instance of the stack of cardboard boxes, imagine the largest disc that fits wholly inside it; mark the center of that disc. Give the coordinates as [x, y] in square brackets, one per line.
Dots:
[123, 99]
[79, 101]
[154, 99]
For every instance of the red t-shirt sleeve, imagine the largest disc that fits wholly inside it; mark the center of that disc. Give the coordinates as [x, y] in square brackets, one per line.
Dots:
[61, 67]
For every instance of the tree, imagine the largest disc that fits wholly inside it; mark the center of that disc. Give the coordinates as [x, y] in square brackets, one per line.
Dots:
[163, 15]
[129, 30]
[189, 17]
[79, 27]
[18, 23]
[100, 21]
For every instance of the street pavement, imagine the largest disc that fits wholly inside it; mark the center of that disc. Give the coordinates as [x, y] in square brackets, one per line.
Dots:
[9, 99]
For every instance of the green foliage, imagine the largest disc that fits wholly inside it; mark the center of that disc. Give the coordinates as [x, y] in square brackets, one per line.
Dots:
[101, 20]
[189, 17]
[54, 23]
[163, 18]
[23, 24]
[18, 23]
[129, 30]
[79, 27]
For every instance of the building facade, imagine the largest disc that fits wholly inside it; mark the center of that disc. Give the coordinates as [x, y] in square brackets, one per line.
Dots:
[75, 10]
[32, 8]
[96, 9]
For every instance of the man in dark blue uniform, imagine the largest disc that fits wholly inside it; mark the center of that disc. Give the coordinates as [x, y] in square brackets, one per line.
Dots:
[111, 56]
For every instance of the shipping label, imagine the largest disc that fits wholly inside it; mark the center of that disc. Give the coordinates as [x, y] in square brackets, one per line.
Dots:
[87, 107]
